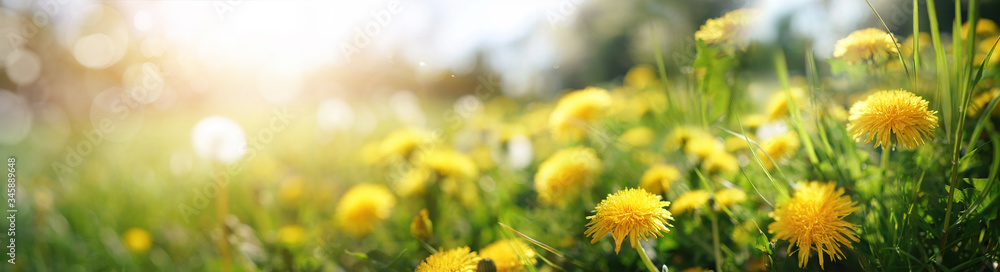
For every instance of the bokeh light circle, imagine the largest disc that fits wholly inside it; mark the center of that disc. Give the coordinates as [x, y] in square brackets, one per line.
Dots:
[219, 139]
[117, 115]
[15, 118]
[335, 114]
[95, 51]
[23, 67]
[279, 86]
[143, 21]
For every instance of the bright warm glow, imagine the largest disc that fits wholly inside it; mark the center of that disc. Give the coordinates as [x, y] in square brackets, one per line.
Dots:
[219, 139]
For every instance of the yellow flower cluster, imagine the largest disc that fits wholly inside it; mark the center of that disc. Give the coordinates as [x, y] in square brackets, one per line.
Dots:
[866, 44]
[565, 174]
[576, 111]
[505, 255]
[982, 100]
[730, 29]
[986, 34]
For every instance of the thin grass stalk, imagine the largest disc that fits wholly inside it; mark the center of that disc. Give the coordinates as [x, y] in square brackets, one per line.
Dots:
[893, 37]
[943, 94]
[957, 143]
[916, 42]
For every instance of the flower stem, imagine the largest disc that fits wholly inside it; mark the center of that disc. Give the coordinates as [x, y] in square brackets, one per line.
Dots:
[715, 241]
[885, 163]
[645, 259]
[221, 210]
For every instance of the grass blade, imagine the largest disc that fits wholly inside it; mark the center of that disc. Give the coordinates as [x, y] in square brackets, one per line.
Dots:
[894, 41]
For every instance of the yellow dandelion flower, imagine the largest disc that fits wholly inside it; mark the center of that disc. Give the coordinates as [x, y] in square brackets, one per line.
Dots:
[729, 29]
[536, 120]
[137, 240]
[655, 100]
[730, 196]
[641, 77]
[627, 106]
[370, 153]
[510, 255]
[982, 100]
[455, 260]
[923, 39]
[980, 57]
[984, 46]
[736, 143]
[400, 143]
[291, 235]
[777, 107]
[753, 121]
[679, 137]
[449, 163]
[421, 227]
[984, 28]
[576, 110]
[363, 206]
[565, 174]
[703, 146]
[631, 212]
[690, 201]
[638, 136]
[897, 113]
[414, 182]
[720, 163]
[292, 189]
[778, 147]
[659, 178]
[813, 220]
[838, 113]
[646, 157]
[866, 44]
[482, 155]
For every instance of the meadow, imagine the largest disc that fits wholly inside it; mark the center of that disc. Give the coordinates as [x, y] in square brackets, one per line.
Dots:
[883, 157]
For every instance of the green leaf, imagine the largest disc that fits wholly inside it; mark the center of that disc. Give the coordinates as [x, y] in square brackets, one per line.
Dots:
[358, 255]
[763, 245]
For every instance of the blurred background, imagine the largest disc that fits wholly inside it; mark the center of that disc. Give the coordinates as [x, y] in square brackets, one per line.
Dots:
[100, 100]
[239, 56]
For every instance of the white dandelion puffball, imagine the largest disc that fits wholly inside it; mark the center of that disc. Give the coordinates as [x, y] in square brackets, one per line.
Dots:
[520, 151]
[219, 139]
